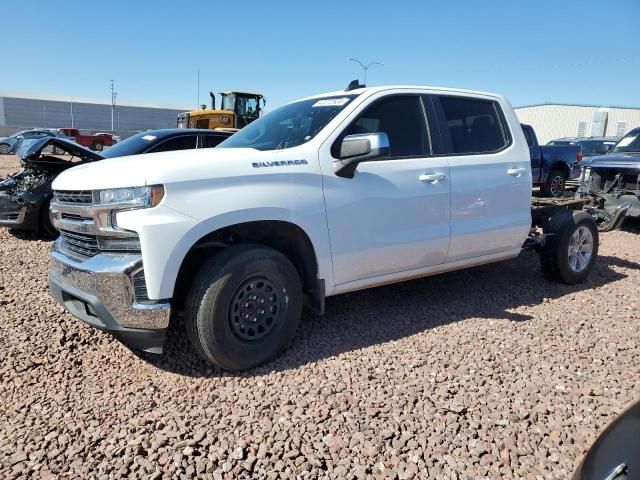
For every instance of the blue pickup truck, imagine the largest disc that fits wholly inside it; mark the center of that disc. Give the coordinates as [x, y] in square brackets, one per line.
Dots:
[552, 166]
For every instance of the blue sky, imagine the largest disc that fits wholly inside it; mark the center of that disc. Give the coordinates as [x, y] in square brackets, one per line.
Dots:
[532, 51]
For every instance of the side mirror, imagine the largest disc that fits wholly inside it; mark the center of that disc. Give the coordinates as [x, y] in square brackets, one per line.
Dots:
[358, 148]
[602, 149]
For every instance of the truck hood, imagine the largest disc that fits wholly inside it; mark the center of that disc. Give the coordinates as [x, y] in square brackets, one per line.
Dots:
[165, 167]
[614, 160]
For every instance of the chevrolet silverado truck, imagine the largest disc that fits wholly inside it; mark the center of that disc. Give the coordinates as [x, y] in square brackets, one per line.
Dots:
[95, 142]
[552, 165]
[326, 195]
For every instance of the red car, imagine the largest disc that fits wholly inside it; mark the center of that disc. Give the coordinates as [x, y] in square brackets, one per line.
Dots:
[95, 142]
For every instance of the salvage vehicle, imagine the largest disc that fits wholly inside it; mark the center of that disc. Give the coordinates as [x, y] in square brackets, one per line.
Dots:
[8, 145]
[615, 455]
[552, 166]
[590, 145]
[238, 110]
[25, 196]
[326, 195]
[96, 141]
[612, 182]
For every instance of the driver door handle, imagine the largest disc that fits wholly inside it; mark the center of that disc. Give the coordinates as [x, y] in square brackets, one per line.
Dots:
[516, 172]
[432, 177]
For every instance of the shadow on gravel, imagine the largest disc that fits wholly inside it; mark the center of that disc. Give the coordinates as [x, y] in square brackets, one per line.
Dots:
[369, 317]
[30, 235]
[631, 225]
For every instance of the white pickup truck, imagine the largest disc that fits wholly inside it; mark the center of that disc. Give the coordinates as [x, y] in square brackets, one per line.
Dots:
[326, 195]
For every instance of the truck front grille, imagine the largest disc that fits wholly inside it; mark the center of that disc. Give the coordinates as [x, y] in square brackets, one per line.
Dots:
[73, 196]
[79, 243]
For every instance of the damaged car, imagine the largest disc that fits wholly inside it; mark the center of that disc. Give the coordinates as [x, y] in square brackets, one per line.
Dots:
[610, 184]
[25, 195]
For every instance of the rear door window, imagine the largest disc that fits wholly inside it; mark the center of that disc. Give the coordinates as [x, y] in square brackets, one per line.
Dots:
[184, 142]
[210, 141]
[472, 125]
[402, 118]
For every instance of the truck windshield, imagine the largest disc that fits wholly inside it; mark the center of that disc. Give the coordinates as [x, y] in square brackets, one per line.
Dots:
[289, 126]
[629, 143]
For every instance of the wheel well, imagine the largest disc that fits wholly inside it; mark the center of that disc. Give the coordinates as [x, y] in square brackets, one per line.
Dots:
[285, 237]
[561, 166]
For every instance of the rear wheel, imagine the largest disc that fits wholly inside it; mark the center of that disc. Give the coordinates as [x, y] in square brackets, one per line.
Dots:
[98, 146]
[572, 247]
[244, 307]
[4, 149]
[554, 186]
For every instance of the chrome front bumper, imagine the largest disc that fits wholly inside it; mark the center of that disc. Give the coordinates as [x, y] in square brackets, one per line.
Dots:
[100, 292]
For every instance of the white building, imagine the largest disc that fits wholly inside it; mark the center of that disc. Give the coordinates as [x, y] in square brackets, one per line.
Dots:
[552, 121]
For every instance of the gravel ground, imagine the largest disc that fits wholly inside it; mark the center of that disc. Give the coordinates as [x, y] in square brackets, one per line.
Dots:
[490, 372]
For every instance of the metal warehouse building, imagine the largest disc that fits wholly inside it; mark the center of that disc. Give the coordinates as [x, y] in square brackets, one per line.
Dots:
[18, 112]
[552, 121]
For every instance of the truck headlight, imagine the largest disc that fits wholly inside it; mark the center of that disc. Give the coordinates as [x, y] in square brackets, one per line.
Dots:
[132, 197]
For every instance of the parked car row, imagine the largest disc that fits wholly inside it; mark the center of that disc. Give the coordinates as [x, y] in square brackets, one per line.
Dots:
[590, 145]
[9, 144]
[25, 196]
[96, 141]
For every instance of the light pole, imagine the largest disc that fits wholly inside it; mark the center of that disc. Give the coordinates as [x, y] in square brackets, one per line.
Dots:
[71, 108]
[114, 94]
[365, 67]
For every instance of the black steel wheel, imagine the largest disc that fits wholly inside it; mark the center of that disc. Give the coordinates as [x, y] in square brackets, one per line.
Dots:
[257, 307]
[243, 307]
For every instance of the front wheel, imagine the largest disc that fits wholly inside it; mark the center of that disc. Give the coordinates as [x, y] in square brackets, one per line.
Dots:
[572, 248]
[554, 186]
[244, 307]
[98, 146]
[4, 149]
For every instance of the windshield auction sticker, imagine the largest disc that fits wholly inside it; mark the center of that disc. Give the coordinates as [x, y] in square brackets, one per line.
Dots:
[331, 102]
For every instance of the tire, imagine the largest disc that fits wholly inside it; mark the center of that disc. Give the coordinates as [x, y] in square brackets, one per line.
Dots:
[572, 248]
[4, 149]
[98, 146]
[46, 226]
[555, 184]
[229, 288]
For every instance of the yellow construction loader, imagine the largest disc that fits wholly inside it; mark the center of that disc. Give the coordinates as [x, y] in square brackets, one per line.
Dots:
[238, 109]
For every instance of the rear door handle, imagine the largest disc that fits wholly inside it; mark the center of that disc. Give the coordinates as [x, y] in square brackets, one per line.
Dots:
[516, 172]
[432, 177]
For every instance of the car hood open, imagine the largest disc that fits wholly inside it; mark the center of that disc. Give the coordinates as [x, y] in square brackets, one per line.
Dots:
[31, 150]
